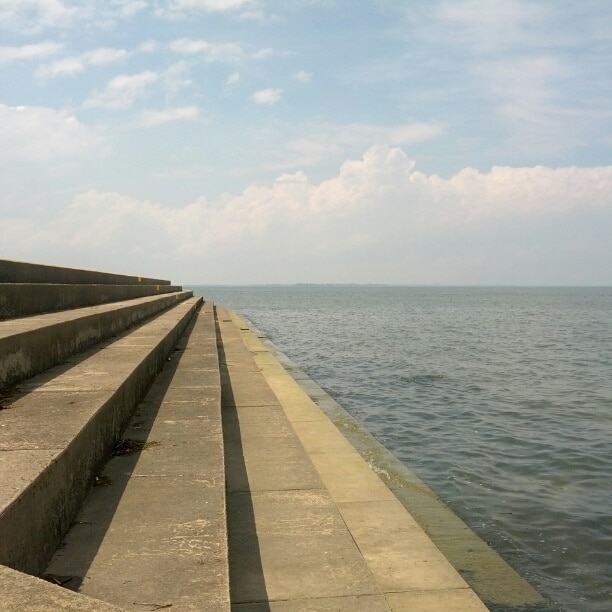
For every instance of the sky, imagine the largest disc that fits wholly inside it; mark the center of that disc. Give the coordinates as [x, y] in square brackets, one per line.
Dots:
[453, 142]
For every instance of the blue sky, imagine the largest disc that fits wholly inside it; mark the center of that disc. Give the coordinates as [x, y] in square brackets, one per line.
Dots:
[258, 141]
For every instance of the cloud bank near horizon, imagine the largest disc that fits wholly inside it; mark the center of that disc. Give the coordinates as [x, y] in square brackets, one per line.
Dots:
[378, 220]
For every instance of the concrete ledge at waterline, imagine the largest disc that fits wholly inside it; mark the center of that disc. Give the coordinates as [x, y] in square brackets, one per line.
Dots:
[31, 345]
[26, 299]
[347, 457]
[57, 434]
[24, 272]
[19, 592]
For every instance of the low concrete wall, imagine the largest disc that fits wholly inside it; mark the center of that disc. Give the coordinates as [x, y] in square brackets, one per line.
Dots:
[495, 582]
[26, 299]
[23, 272]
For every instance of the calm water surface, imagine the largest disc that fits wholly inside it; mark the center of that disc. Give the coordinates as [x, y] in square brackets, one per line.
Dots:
[500, 399]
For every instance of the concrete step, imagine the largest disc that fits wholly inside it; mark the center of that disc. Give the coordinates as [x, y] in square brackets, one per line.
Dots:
[56, 432]
[155, 529]
[30, 345]
[26, 299]
[21, 592]
[24, 272]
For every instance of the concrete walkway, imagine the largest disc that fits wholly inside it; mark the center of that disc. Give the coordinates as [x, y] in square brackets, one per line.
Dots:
[310, 525]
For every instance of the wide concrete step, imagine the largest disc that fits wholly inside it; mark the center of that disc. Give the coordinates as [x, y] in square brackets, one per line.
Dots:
[58, 429]
[26, 299]
[154, 530]
[30, 345]
[24, 593]
[24, 272]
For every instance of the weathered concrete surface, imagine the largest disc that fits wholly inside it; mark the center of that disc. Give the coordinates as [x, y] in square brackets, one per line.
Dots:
[494, 581]
[26, 299]
[55, 434]
[25, 272]
[311, 526]
[33, 344]
[21, 592]
[155, 530]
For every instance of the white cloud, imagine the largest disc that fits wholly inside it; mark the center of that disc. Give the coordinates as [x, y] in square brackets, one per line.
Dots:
[267, 96]
[104, 55]
[233, 78]
[490, 26]
[107, 15]
[29, 52]
[122, 91]
[184, 113]
[211, 5]
[211, 52]
[188, 46]
[406, 225]
[69, 66]
[263, 53]
[525, 86]
[322, 140]
[38, 133]
[302, 76]
[259, 16]
[175, 78]
[128, 8]
[148, 46]
[33, 16]
[179, 9]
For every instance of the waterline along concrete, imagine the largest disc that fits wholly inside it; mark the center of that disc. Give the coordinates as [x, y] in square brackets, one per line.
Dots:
[173, 458]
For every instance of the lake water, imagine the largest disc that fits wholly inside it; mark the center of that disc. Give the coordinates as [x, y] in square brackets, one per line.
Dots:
[500, 399]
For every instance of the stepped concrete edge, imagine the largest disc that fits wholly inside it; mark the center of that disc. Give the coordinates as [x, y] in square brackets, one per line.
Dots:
[52, 338]
[26, 299]
[25, 272]
[20, 591]
[32, 526]
[157, 530]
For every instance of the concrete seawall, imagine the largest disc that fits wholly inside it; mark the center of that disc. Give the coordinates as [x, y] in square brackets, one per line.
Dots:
[24, 272]
[184, 461]
[491, 578]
